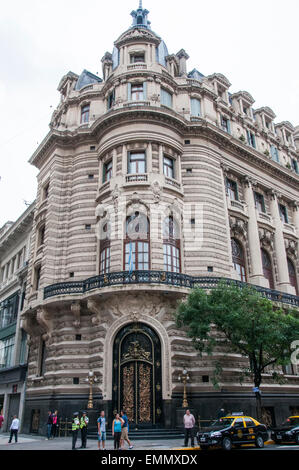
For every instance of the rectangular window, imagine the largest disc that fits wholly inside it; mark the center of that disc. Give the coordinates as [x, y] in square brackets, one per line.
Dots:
[85, 114]
[139, 254]
[9, 310]
[283, 213]
[232, 189]
[251, 139]
[295, 165]
[105, 260]
[171, 258]
[166, 98]
[137, 92]
[138, 57]
[225, 124]
[107, 171]
[41, 235]
[168, 167]
[111, 99]
[136, 163]
[195, 107]
[274, 153]
[37, 274]
[6, 352]
[259, 202]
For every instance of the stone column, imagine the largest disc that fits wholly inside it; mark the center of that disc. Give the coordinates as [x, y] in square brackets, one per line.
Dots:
[149, 157]
[281, 257]
[124, 169]
[114, 163]
[232, 272]
[161, 159]
[257, 275]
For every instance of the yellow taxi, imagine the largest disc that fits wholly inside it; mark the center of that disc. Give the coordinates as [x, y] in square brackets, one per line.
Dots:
[233, 430]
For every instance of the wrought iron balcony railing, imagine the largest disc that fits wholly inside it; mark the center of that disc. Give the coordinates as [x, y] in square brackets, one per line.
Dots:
[157, 277]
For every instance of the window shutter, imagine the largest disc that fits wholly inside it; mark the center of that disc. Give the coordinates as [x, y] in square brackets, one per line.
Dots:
[129, 91]
[228, 126]
[144, 90]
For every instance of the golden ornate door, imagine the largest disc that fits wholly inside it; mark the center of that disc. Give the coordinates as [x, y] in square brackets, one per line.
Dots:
[137, 375]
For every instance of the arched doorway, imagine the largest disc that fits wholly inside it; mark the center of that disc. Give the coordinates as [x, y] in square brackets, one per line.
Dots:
[137, 381]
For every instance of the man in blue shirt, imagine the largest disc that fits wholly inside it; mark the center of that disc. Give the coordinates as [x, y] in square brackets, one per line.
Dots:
[102, 430]
[124, 432]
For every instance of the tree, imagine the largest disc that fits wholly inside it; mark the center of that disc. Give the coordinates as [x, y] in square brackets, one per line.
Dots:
[242, 320]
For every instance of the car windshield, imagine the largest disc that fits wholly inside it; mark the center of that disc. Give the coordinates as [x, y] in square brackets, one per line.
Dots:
[291, 422]
[223, 422]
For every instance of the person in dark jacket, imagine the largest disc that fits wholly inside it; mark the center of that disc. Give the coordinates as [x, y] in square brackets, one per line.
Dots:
[49, 425]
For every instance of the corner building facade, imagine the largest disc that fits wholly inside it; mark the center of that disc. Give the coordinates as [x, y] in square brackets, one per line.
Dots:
[152, 180]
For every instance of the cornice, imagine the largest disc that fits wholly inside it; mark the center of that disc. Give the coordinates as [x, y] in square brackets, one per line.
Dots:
[165, 117]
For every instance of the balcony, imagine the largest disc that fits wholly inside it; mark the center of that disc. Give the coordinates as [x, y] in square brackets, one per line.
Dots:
[165, 278]
[173, 182]
[289, 228]
[137, 66]
[137, 178]
[237, 206]
[263, 217]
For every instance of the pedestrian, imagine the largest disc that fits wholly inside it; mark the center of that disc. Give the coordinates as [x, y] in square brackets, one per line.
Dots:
[220, 413]
[83, 426]
[102, 430]
[1, 421]
[49, 425]
[125, 431]
[189, 422]
[116, 430]
[14, 429]
[75, 429]
[55, 424]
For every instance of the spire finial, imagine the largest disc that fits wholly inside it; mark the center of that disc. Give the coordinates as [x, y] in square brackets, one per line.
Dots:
[140, 4]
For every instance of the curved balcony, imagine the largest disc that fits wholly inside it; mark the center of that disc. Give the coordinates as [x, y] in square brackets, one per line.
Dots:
[160, 278]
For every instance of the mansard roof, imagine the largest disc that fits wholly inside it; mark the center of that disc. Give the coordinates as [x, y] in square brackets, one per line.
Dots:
[196, 75]
[87, 78]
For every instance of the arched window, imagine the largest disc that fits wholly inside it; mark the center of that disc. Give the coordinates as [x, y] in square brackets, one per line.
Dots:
[292, 275]
[238, 259]
[105, 249]
[267, 268]
[171, 246]
[136, 244]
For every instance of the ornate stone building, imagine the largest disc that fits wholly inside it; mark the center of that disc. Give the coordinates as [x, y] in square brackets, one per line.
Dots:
[153, 179]
[14, 256]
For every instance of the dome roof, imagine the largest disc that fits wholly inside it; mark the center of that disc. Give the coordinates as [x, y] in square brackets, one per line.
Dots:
[140, 30]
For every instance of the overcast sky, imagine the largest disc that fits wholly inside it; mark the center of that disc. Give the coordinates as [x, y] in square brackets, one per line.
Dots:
[254, 43]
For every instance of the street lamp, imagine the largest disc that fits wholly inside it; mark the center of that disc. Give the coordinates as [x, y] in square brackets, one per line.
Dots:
[184, 378]
[91, 379]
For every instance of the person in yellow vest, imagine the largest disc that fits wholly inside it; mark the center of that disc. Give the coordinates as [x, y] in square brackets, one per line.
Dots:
[83, 426]
[75, 429]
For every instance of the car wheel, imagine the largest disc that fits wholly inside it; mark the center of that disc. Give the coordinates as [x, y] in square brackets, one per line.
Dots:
[297, 438]
[227, 443]
[259, 442]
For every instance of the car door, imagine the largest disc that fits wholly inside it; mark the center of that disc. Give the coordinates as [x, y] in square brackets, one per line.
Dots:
[238, 431]
[249, 431]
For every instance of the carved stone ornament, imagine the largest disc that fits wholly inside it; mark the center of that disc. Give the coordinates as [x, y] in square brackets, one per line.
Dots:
[157, 190]
[238, 226]
[115, 197]
[291, 247]
[266, 238]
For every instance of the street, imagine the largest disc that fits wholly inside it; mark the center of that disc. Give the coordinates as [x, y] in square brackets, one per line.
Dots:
[30, 442]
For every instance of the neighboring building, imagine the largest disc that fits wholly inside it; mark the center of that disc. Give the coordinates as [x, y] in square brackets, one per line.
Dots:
[152, 179]
[14, 255]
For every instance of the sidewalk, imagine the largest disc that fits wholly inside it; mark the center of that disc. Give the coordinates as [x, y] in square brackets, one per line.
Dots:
[29, 442]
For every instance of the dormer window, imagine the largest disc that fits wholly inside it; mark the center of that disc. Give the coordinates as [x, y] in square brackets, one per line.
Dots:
[85, 113]
[137, 57]
[225, 124]
[251, 139]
